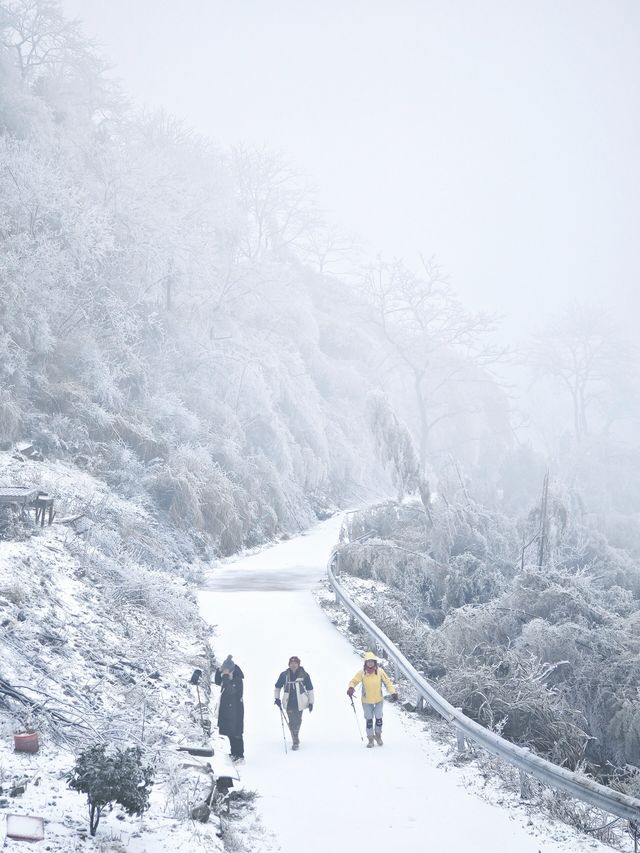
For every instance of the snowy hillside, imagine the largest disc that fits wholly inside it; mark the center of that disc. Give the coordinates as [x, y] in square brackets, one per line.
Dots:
[96, 645]
[203, 353]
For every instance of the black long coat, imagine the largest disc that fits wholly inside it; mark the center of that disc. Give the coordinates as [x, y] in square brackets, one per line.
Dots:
[231, 708]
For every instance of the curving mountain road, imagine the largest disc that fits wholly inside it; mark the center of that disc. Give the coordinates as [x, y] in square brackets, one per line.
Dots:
[335, 795]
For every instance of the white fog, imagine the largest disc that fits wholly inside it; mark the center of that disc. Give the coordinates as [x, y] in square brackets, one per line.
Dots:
[501, 139]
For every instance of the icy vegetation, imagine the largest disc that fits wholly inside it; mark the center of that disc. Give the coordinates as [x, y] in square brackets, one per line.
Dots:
[157, 325]
[100, 633]
[170, 321]
[547, 653]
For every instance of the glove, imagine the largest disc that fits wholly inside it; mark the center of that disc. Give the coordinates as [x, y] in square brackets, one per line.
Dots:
[278, 703]
[310, 708]
[350, 692]
[393, 697]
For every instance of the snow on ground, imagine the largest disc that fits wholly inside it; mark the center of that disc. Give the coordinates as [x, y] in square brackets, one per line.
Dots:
[333, 793]
[108, 648]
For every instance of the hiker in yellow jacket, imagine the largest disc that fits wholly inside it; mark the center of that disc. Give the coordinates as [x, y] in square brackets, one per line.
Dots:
[372, 676]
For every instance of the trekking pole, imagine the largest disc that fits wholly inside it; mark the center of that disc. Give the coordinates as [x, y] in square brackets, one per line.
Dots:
[356, 716]
[200, 707]
[195, 679]
[284, 737]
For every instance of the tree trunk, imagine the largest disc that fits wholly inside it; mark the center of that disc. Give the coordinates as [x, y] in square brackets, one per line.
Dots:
[418, 376]
[94, 818]
[576, 415]
[543, 520]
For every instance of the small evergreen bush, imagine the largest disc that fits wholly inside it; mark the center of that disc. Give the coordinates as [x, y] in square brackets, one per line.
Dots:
[111, 776]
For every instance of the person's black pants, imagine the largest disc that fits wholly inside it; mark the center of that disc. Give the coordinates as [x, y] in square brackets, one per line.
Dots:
[295, 721]
[237, 746]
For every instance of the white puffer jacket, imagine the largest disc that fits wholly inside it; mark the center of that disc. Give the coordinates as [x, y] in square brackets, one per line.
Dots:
[300, 684]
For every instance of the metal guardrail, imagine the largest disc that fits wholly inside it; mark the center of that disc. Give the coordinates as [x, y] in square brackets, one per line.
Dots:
[579, 786]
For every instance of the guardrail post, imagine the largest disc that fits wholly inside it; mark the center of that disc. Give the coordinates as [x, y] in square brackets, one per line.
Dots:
[460, 736]
[525, 781]
[420, 704]
[525, 785]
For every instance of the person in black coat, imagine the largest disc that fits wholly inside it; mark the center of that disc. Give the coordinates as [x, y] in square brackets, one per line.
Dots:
[231, 709]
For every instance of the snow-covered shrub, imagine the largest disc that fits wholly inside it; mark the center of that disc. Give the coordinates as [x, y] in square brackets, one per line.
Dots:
[355, 562]
[547, 656]
[470, 631]
[121, 468]
[13, 525]
[564, 642]
[177, 493]
[59, 434]
[465, 556]
[587, 551]
[172, 419]
[470, 581]
[394, 444]
[414, 636]
[380, 520]
[131, 588]
[111, 776]
[514, 699]
[556, 597]
[473, 529]
[13, 592]
[10, 418]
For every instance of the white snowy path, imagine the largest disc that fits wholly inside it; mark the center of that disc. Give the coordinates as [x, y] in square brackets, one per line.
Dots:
[335, 795]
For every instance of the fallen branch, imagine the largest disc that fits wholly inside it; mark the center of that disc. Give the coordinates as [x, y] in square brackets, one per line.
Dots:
[12, 692]
[70, 519]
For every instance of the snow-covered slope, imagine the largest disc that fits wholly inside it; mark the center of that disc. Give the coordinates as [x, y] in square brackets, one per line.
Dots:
[92, 631]
[333, 794]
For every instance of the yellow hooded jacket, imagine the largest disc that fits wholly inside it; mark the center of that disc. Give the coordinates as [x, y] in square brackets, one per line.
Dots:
[372, 683]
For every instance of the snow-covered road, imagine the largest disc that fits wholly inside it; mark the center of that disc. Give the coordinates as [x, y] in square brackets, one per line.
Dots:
[334, 794]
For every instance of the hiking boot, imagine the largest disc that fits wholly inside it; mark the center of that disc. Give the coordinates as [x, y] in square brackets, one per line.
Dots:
[369, 741]
[379, 738]
[237, 759]
[295, 745]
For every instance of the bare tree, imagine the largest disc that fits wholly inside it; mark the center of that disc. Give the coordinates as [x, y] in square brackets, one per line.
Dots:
[276, 200]
[53, 57]
[583, 352]
[428, 333]
[39, 38]
[329, 249]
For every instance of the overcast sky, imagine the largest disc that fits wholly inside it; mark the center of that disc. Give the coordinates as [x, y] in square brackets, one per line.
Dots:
[501, 136]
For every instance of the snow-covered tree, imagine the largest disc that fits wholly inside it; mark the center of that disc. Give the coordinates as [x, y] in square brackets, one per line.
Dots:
[583, 352]
[428, 335]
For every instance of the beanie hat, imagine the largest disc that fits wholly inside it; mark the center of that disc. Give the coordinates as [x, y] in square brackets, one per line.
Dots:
[228, 663]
